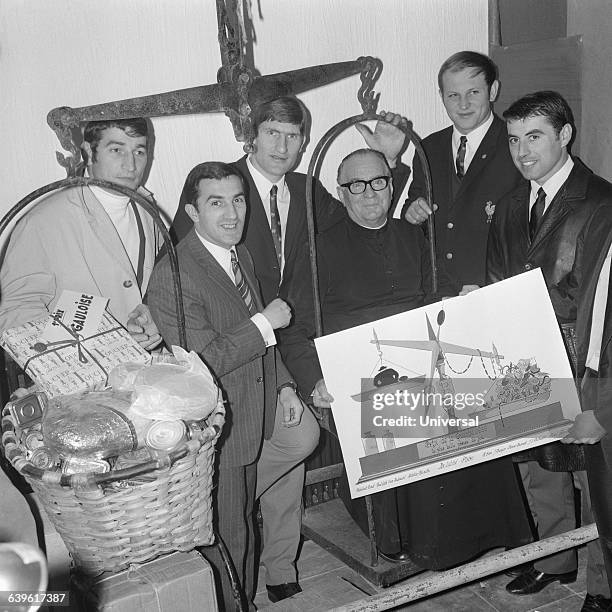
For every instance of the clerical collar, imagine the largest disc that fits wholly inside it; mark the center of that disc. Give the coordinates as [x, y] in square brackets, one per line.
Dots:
[368, 229]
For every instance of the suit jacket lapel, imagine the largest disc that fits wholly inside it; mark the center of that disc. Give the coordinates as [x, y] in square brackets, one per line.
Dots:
[481, 158]
[103, 228]
[565, 201]
[215, 273]
[257, 220]
[297, 212]
[519, 216]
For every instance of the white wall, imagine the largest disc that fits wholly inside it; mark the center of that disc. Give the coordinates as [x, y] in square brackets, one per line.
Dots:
[81, 52]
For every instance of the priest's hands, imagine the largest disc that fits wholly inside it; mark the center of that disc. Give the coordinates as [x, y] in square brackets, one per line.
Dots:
[585, 430]
[321, 398]
[418, 211]
[387, 137]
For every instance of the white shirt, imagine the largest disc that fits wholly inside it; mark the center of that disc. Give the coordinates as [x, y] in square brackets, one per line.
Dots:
[474, 138]
[599, 314]
[552, 185]
[122, 215]
[283, 199]
[223, 257]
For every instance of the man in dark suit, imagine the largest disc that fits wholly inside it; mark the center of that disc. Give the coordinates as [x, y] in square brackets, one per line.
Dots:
[537, 225]
[468, 179]
[588, 290]
[228, 327]
[471, 169]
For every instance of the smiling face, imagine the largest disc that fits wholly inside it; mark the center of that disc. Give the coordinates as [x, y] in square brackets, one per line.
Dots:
[118, 158]
[277, 147]
[220, 210]
[368, 209]
[467, 98]
[537, 150]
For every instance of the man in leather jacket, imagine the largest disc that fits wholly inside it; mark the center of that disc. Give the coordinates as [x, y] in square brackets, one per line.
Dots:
[537, 225]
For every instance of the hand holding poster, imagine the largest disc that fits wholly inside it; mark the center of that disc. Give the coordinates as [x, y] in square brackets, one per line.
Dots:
[449, 385]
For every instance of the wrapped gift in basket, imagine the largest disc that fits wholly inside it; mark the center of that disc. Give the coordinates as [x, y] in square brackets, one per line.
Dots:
[124, 466]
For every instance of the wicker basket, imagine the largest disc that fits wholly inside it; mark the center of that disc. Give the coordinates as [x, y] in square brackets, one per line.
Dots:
[108, 524]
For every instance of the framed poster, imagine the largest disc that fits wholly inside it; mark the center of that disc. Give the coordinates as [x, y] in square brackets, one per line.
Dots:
[449, 385]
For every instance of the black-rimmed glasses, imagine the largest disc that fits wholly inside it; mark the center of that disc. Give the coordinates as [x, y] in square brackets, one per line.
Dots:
[377, 184]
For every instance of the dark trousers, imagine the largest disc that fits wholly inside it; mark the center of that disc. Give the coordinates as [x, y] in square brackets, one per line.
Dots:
[234, 499]
[599, 469]
[599, 472]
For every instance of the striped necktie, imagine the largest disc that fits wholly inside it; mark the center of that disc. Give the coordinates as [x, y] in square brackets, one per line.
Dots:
[242, 285]
[460, 161]
[275, 225]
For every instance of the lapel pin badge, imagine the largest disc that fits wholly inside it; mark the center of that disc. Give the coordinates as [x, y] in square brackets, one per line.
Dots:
[484, 156]
[489, 209]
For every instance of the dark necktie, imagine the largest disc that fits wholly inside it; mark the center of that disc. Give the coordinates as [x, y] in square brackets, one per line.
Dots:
[242, 285]
[275, 225]
[537, 212]
[460, 160]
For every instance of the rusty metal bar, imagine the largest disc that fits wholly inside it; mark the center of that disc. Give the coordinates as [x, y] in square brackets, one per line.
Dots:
[235, 97]
[441, 581]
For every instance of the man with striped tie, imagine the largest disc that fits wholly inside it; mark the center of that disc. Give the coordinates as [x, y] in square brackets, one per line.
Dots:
[268, 431]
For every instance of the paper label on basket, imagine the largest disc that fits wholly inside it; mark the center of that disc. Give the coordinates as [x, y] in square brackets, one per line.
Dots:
[80, 312]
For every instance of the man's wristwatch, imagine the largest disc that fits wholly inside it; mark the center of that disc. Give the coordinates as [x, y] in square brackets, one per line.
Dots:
[289, 383]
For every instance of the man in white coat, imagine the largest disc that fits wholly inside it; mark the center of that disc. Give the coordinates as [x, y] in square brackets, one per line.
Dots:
[85, 239]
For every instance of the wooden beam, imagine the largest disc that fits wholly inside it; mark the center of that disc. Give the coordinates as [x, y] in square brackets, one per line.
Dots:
[441, 581]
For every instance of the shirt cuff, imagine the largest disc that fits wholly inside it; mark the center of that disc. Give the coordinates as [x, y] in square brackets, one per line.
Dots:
[265, 329]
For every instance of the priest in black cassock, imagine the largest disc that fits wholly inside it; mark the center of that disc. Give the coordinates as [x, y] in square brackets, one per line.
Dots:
[372, 267]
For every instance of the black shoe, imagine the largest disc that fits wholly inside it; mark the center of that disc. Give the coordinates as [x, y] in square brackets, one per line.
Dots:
[513, 572]
[276, 592]
[596, 603]
[533, 581]
[399, 557]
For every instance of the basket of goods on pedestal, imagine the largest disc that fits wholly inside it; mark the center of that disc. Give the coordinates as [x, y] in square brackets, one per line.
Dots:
[150, 501]
[119, 450]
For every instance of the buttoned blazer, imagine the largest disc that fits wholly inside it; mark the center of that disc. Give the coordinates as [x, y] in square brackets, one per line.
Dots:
[219, 329]
[510, 250]
[68, 241]
[462, 221]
